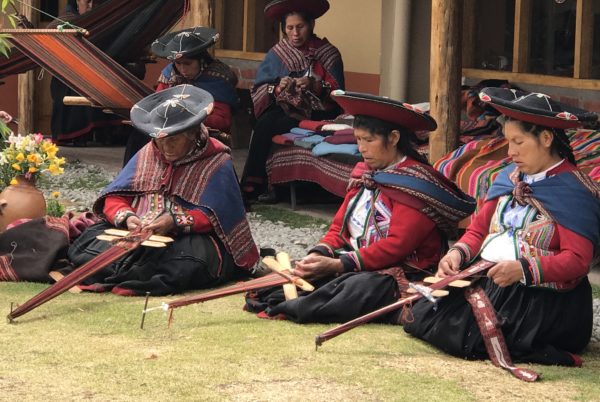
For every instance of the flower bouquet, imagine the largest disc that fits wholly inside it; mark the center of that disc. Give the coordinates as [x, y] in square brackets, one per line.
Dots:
[29, 156]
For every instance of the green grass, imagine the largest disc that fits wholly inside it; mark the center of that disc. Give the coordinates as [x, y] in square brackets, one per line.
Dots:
[596, 291]
[290, 218]
[89, 346]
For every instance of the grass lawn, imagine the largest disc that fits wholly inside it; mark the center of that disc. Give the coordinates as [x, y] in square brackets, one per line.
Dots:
[90, 347]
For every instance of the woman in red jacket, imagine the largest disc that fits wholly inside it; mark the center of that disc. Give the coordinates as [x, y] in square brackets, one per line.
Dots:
[391, 228]
[539, 226]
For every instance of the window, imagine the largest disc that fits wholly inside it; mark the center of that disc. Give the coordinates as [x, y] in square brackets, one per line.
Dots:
[528, 40]
[246, 33]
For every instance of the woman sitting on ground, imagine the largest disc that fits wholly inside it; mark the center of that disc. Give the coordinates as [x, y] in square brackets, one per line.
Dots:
[391, 229]
[539, 226]
[190, 63]
[181, 184]
[301, 63]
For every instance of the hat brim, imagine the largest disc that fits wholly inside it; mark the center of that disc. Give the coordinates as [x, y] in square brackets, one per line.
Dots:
[391, 111]
[172, 111]
[512, 104]
[275, 10]
[162, 47]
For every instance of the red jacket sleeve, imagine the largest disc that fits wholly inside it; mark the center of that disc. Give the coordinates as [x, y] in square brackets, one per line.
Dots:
[220, 118]
[115, 204]
[409, 229]
[570, 263]
[201, 222]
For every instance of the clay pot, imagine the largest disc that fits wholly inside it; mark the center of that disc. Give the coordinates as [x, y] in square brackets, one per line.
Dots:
[19, 201]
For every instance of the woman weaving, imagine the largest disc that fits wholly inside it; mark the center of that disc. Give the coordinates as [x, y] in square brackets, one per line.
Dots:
[293, 82]
[391, 228]
[190, 63]
[540, 225]
[182, 184]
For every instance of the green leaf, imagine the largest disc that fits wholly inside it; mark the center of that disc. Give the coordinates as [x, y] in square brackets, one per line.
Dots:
[4, 4]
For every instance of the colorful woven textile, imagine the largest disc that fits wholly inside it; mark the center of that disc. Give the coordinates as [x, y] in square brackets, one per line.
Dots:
[299, 164]
[141, 21]
[82, 66]
[204, 180]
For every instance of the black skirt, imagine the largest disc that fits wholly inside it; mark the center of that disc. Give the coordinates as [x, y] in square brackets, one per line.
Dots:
[335, 300]
[190, 262]
[540, 325]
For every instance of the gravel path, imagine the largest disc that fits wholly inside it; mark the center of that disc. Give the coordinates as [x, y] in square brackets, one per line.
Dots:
[80, 184]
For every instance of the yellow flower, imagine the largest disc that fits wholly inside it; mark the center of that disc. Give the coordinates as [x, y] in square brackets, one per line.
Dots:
[16, 166]
[20, 157]
[14, 182]
[56, 194]
[33, 169]
[54, 169]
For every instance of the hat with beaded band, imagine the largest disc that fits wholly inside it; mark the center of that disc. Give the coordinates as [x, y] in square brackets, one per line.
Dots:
[386, 109]
[172, 111]
[535, 108]
[185, 43]
[277, 9]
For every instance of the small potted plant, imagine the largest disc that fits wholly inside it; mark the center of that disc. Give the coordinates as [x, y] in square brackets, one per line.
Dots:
[22, 161]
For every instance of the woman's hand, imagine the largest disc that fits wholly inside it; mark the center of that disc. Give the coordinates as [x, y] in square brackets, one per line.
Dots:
[5, 117]
[162, 225]
[449, 264]
[133, 222]
[284, 82]
[305, 83]
[506, 273]
[315, 266]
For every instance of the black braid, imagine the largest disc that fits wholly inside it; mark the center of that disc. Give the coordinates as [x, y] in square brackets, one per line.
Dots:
[560, 143]
[383, 128]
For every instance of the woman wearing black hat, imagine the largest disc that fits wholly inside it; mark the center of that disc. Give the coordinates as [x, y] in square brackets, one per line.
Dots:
[293, 82]
[190, 63]
[181, 184]
[540, 225]
[391, 228]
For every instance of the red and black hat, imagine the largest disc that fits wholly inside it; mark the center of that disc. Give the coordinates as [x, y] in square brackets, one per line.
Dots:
[188, 42]
[389, 110]
[535, 108]
[171, 111]
[276, 9]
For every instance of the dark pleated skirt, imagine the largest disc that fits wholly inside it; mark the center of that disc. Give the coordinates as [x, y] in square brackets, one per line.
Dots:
[191, 262]
[335, 300]
[539, 325]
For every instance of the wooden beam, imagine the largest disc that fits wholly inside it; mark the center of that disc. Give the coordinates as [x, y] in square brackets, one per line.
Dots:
[249, 35]
[26, 81]
[521, 39]
[445, 75]
[469, 33]
[537, 79]
[584, 31]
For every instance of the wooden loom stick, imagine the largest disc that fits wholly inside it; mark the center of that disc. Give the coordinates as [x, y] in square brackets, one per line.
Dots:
[289, 289]
[474, 269]
[122, 247]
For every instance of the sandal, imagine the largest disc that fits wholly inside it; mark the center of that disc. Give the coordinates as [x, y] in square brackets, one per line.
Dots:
[268, 198]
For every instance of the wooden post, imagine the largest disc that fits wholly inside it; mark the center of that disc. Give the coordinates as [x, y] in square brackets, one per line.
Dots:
[200, 14]
[26, 81]
[521, 39]
[584, 39]
[445, 73]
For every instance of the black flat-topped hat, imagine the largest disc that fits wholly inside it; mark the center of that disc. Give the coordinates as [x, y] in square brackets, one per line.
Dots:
[389, 110]
[171, 111]
[535, 108]
[276, 9]
[186, 43]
